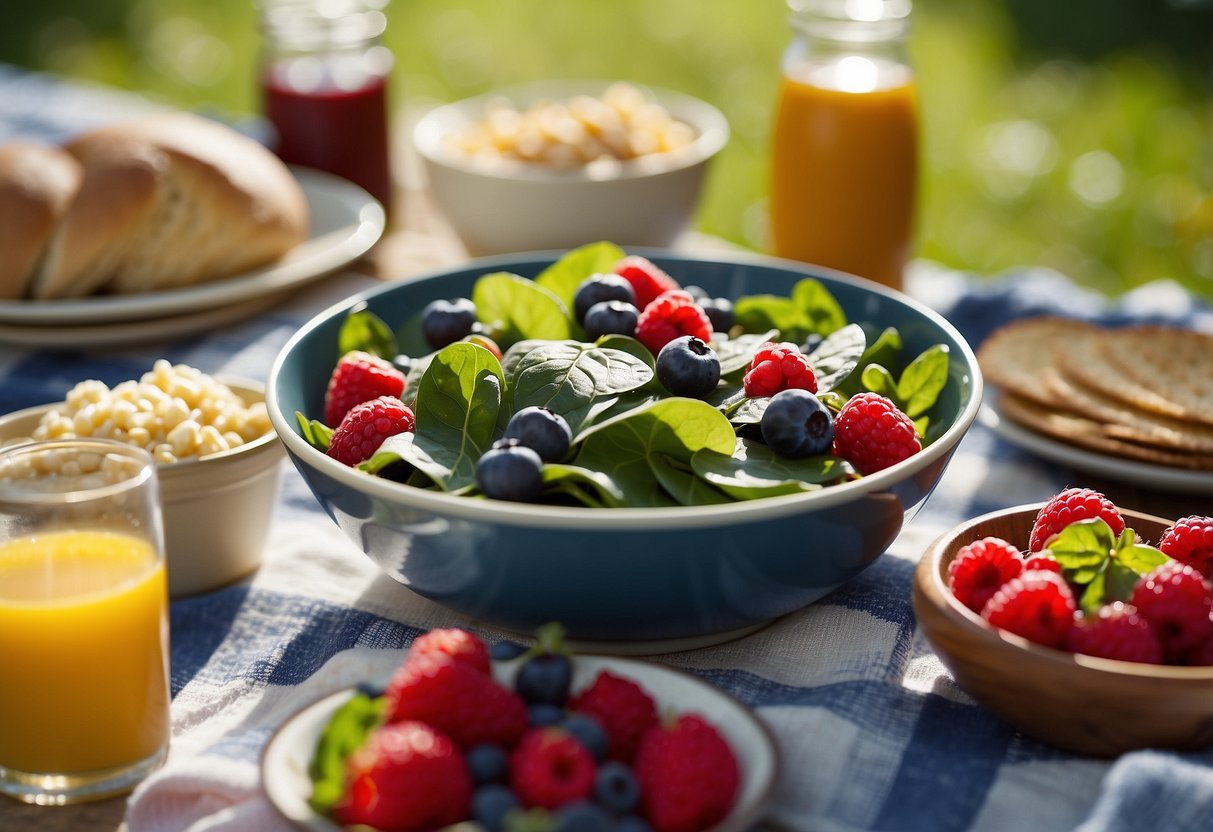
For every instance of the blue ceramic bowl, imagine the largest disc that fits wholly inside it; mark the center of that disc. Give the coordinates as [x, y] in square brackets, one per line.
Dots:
[675, 576]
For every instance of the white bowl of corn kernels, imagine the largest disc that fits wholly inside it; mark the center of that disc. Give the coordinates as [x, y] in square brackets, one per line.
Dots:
[217, 459]
[553, 165]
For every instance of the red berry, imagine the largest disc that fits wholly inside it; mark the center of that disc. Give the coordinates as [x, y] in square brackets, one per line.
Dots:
[1045, 562]
[622, 707]
[365, 427]
[1191, 540]
[672, 315]
[550, 768]
[467, 705]
[648, 281]
[1174, 598]
[407, 777]
[460, 645]
[980, 569]
[357, 378]
[1037, 605]
[778, 367]
[1068, 507]
[1117, 632]
[872, 434]
[688, 776]
[1202, 656]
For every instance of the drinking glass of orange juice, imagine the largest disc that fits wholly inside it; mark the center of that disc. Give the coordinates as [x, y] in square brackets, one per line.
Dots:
[845, 156]
[83, 620]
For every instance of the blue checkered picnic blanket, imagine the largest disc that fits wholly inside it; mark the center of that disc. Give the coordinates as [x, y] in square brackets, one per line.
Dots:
[872, 731]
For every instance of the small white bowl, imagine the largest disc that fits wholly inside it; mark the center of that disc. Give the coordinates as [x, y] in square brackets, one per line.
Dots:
[216, 509]
[285, 761]
[512, 207]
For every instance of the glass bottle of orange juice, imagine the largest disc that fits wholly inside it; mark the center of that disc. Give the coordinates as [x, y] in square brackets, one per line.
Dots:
[845, 156]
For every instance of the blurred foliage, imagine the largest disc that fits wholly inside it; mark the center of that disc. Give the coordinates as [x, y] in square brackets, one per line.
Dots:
[1075, 135]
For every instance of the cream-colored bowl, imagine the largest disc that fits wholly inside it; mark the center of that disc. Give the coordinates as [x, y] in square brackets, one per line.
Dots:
[216, 509]
[517, 206]
[1082, 703]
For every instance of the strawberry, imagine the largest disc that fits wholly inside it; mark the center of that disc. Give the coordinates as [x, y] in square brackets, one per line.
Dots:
[357, 378]
[365, 427]
[457, 699]
[550, 768]
[688, 775]
[460, 645]
[407, 777]
[623, 709]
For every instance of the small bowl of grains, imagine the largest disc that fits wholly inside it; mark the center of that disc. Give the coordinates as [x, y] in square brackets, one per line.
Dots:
[1085, 625]
[217, 457]
[557, 164]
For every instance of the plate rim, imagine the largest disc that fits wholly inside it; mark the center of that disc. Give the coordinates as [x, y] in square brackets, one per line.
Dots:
[749, 809]
[366, 222]
[1123, 470]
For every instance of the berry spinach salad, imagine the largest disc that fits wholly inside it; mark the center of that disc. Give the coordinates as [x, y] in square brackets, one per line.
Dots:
[604, 383]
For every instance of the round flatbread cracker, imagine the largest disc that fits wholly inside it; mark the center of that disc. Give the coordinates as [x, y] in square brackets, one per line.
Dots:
[1014, 356]
[1085, 361]
[1174, 364]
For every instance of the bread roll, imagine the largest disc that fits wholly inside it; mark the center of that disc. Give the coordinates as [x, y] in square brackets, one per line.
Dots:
[37, 184]
[167, 201]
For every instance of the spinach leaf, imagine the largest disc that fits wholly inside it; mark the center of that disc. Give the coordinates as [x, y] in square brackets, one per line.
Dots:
[315, 433]
[562, 277]
[363, 330]
[683, 484]
[736, 354]
[837, 356]
[590, 488]
[519, 308]
[753, 471]
[344, 734]
[818, 307]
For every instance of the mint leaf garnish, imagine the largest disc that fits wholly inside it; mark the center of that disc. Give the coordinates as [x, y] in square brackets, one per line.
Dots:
[1107, 566]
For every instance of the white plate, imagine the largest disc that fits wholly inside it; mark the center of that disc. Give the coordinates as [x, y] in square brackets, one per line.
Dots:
[345, 221]
[1135, 472]
[285, 760]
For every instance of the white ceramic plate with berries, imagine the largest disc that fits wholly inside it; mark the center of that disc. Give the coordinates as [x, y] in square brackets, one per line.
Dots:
[1087, 625]
[420, 690]
[1143, 474]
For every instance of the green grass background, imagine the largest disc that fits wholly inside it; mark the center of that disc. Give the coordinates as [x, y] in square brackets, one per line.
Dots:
[1076, 135]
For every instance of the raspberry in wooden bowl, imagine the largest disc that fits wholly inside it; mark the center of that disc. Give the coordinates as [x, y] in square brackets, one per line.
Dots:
[1075, 700]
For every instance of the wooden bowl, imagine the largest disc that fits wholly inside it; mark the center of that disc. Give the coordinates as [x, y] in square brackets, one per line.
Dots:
[1081, 703]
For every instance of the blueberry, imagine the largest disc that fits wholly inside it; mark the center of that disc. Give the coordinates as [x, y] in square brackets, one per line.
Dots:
[796, 424]
[446, 321]
[611, 317]
[491, 803]
[543, 714]
[488, 763]
[509, 471]
[545, 678]
[589, 732]
[583, 816]
[616, 788]
[503, 651]
[719, 312]
[632, 823]
[688, 367]
[598, 288]
[544, 432]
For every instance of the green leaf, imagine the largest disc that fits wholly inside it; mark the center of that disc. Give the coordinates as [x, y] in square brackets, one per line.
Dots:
[631, 346]
[1108, 565]
[520, 309]
[749, 411]
[762, 313]
[736, 354]
[1140, 558]
[344, 734]
[317, 434]
[753, 471]
[885, 351]
[1082, 548]
[837, 355]
[562, 277]
[923, 381]
[1120, 580]
[366, 331]
[681, 482]
[879, 380]
[623, 447]
[817, 307]
[592, 488]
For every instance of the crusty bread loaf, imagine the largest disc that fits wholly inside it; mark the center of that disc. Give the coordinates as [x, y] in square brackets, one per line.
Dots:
[166, 201]
[37, 184]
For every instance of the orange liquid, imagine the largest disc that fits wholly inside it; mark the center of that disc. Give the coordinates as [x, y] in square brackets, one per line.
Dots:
[845, 165]
[83, 641]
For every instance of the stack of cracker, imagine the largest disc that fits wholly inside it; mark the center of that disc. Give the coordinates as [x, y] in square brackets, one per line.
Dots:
[1139, 392]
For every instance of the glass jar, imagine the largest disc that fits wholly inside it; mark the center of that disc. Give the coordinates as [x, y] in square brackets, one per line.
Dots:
[324, 75]
[845, 154]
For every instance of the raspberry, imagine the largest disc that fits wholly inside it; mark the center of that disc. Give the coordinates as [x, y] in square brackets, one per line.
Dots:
[365, 427]
[1068, 507]
[648, 281]
[1202, 656]
[688, 776]
[1191, 540]
[980, 569]
[1037, 605]
[464, 703]
[1037, 562]
[1118, 632]
[669, 316]
[1174, 598]
[778, 367]
[623, 708]
[549, 768]
[460, 645]
[407, 777]
[357, 378]
[872, 434]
